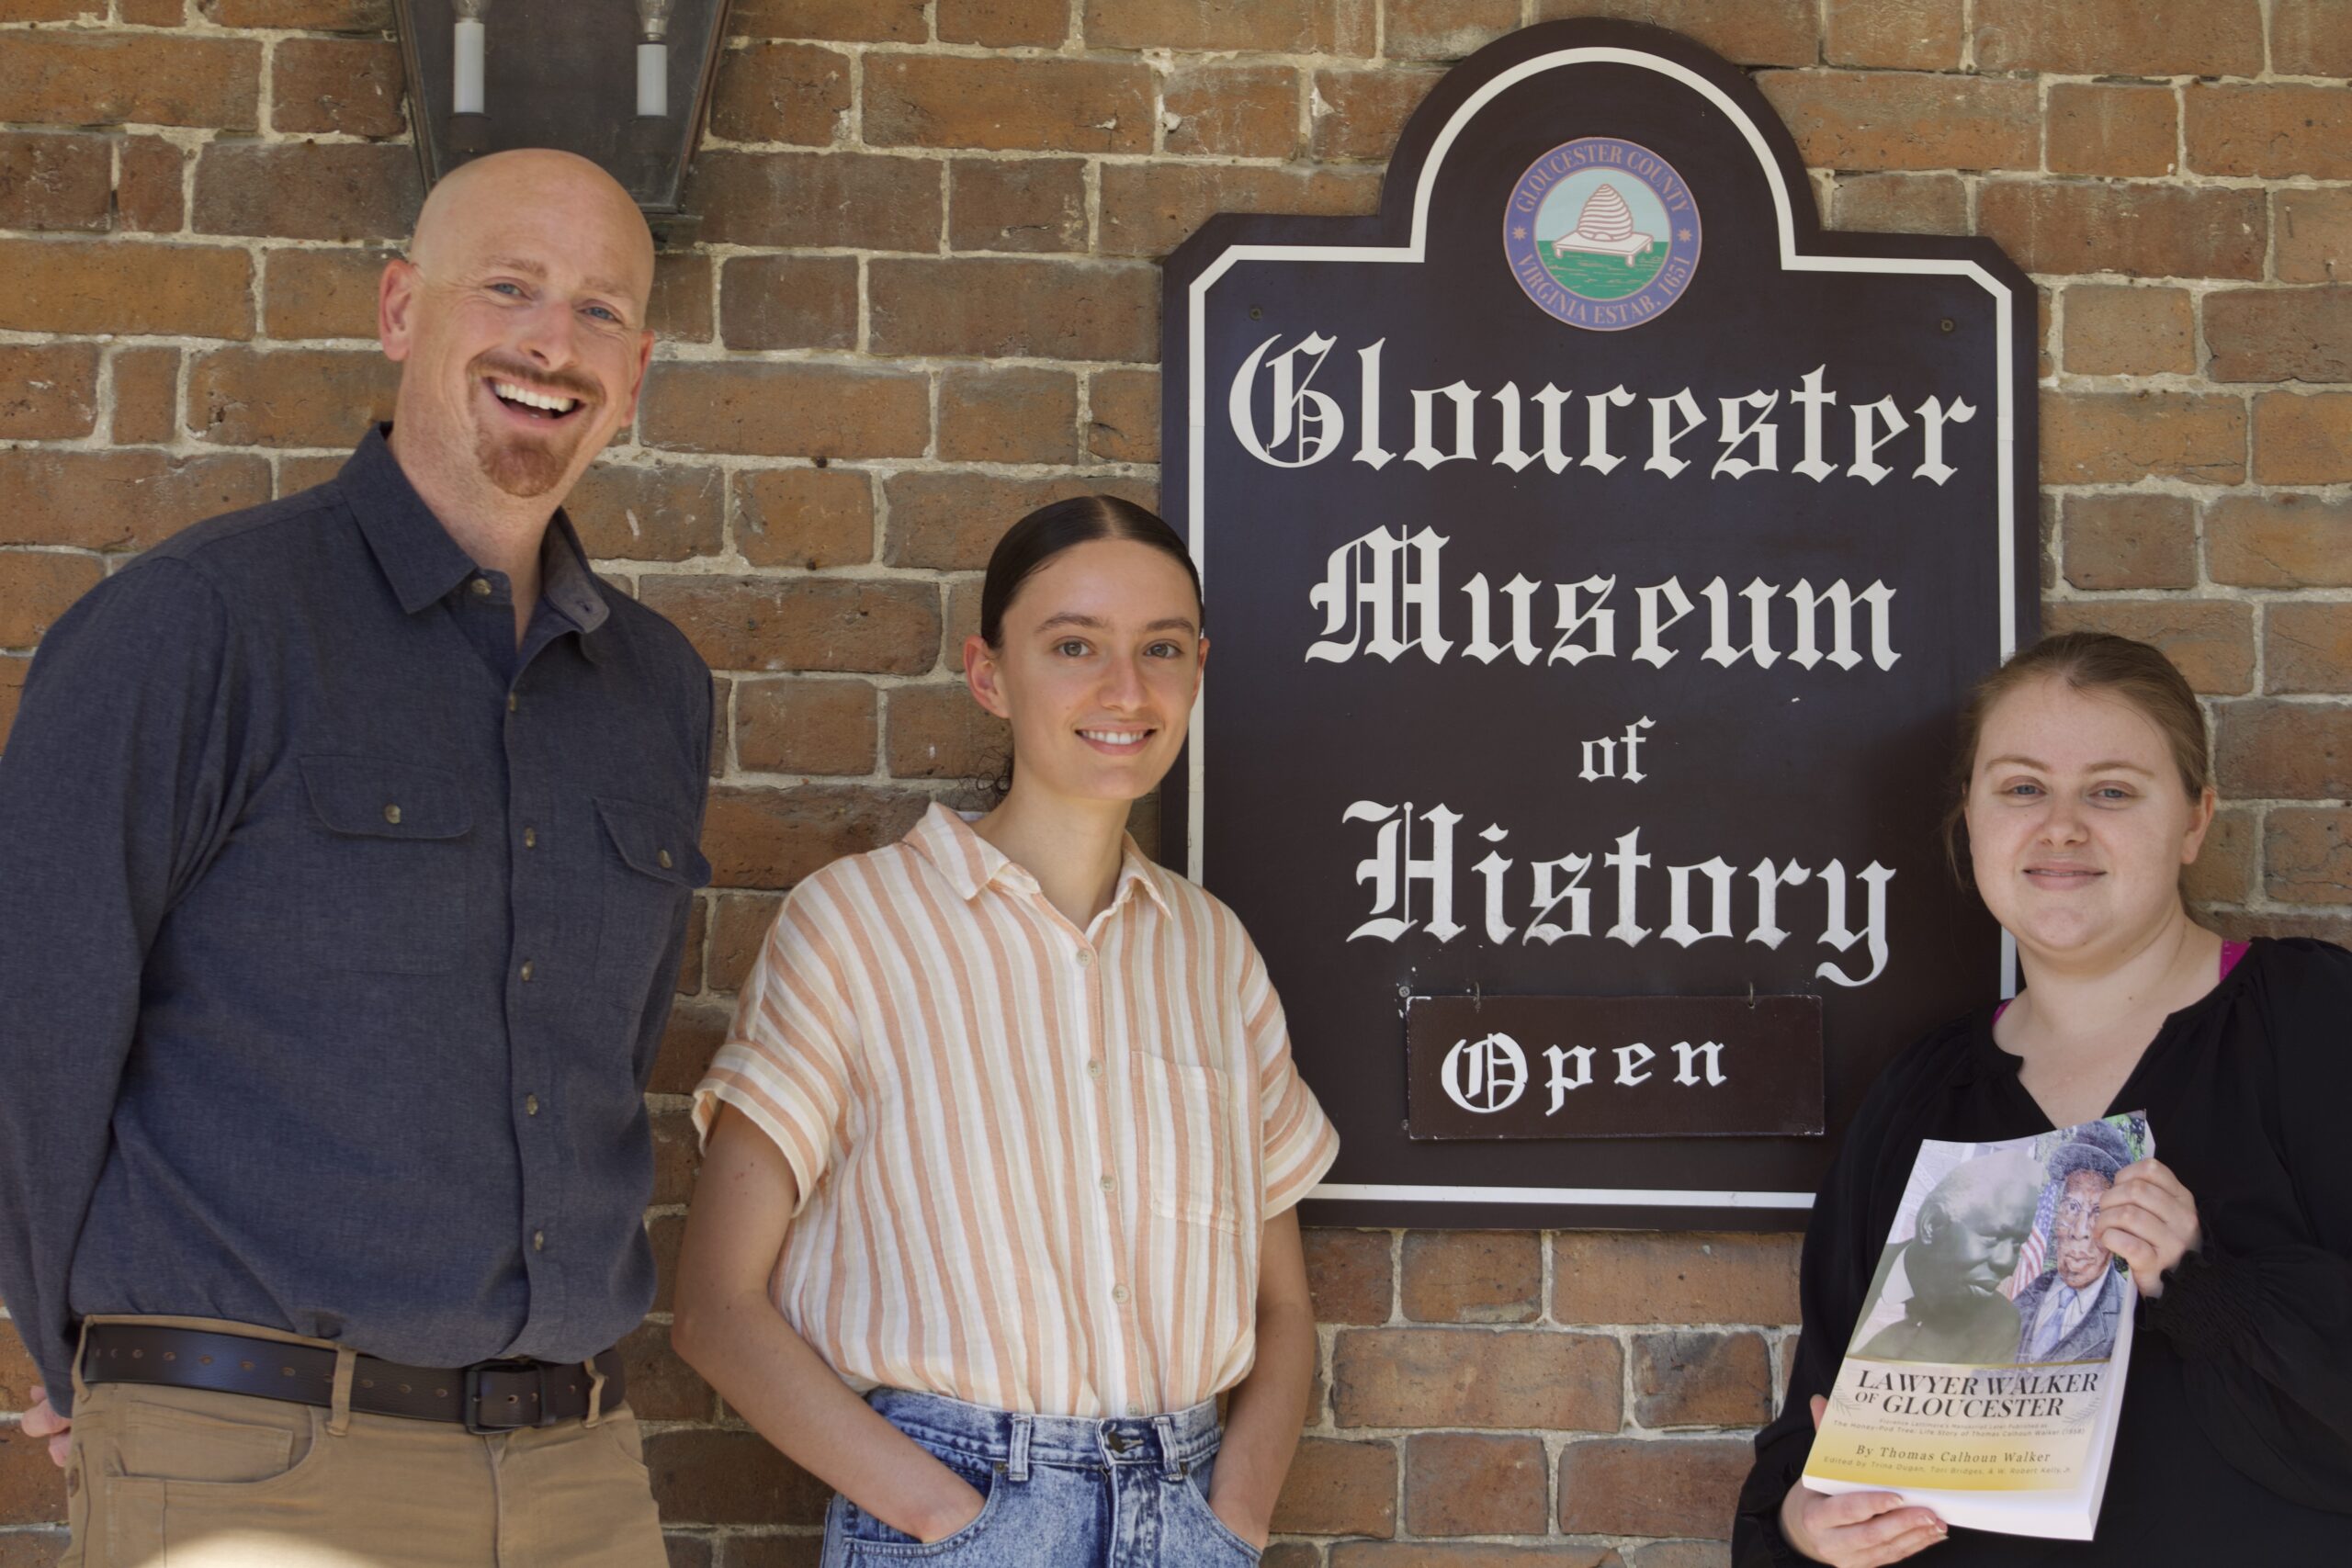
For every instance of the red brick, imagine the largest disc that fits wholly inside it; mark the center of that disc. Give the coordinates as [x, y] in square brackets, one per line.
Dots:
[33, 1489]
[991, 306]
[1702, 1380]
[2303, 440]
[696, 1031]
[2223, 870]
[2117, 329]
[1234, 111]
[1028, 204]
[52, 10]
[773, 838]
[1901, 204]
[2143, 230]
[729, 1478]
[1274, 27]
[939, 732]
[12, 685]
[662, 1387]
[1465, 1377]
[1444, 29]
[2242, 926]
[949, 522]
[2308, 855]
[2307, 648]
[865, 200]
[296, 474]
[764, 623]
[2212, 641]
[119, 500]
[1685, 1277]
[2279, 750]
[151, 13]
[776, 1551]
[18, 1373]
[1845, 119]
[2130, 541]
[1682, 1554]
[1674, 1487]
[1903, 35]
[350, 86]
[789, 302]
[2315, 231]
[1007, 105]
[1552, 1553]
[795, 726]
[2280, 541]
[1339, 1488]
[1002, 24]
[2121, 38]
[1149, 208]
[2270, 131]
[2096, 129]
[1008, 414]
[33, 1548]
[813, 518]
[679, 308]
[781, 92]
[306, 190]
[737, 935]
[1749, 32]
[1123, 415]
[146, 395]
[293, 397]
[786, 409]
[1355, 115]
[36, 587]
[92, 78]
[857, 21]
[1464, 1484]
[2279, 335]
[320, 293]
[73, 286]
[48, 391]
[690, 958]
[151, 191]
[2122, 438]
[648, 511]
[2311, 37]
[51, 179]
[318, 16]
[1351, 1275]
[1473, 1276]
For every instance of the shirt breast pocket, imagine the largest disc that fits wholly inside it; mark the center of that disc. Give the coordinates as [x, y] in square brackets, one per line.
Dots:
[652, 868]
[1195, 1125]
[385, 891]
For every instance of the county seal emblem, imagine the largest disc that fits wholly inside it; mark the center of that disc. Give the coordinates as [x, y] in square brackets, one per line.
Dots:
[1603, 234]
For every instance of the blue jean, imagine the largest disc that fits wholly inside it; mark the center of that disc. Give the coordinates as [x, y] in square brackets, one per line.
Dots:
[1062, 1491]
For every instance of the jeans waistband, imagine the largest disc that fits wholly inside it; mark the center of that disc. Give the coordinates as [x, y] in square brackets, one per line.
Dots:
[1175, 1441]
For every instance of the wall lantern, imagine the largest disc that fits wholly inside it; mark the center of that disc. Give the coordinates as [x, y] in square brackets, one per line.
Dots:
[623, 81]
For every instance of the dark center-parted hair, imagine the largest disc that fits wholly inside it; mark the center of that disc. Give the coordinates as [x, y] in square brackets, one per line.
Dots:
[1029, 545]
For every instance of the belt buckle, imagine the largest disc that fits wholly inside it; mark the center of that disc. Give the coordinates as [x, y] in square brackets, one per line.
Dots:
[481, 1425]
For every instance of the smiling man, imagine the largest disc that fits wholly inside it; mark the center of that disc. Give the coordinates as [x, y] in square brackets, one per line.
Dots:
[347, 847]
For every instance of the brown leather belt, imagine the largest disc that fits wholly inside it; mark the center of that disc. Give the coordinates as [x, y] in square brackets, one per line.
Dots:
[488, 1396]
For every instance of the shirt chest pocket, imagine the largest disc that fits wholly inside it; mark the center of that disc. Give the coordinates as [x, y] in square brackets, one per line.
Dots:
[651, 869]
[384, 889]
[1194, 1127]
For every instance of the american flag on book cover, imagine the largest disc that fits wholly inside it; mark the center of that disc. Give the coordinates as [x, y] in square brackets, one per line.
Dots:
[2036, 1249]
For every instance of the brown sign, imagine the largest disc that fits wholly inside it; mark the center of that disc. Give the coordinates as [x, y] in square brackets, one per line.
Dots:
[1612, 1066]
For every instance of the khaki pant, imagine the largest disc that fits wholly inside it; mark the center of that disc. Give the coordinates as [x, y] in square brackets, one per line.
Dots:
[186, 1478]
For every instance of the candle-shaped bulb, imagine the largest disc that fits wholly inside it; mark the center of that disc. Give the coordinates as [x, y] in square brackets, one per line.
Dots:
[471, 35]
[653, 57]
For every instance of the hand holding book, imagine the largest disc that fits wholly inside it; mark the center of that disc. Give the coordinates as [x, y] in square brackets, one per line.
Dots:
[1855, 1529]
[2149, 1220]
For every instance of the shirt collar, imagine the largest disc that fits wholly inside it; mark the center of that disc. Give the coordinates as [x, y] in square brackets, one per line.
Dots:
[971, 864]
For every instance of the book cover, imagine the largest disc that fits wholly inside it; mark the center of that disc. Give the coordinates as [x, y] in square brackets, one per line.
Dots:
[1986, 1375]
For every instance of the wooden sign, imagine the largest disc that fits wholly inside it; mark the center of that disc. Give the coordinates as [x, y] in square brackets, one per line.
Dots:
[1596, 554]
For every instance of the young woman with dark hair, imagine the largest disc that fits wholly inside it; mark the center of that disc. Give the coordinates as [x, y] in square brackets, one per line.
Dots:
[1006, 1137]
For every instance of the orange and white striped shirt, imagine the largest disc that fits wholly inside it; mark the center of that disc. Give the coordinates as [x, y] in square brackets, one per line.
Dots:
[1032, 1160]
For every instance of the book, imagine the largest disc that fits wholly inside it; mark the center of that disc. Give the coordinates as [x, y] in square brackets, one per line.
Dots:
[1985, 1376]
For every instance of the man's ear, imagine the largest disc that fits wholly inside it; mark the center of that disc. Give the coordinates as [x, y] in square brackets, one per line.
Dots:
[396, 307]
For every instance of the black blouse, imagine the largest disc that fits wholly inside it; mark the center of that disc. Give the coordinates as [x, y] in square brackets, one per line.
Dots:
[2236, 1444]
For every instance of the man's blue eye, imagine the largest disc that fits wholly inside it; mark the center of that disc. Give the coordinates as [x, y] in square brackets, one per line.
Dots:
[604, 314]
[504, 287]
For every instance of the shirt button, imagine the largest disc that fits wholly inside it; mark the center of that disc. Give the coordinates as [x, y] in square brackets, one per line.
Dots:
[392, 815]
[530, 1105]
[1093, 1070]
[526, 971]
[539, 1241]
[512, 702]
[479, 588]
[1085, 956]
[1110, 1184]
[1119, 1294]
[664, 857]
[530, 837]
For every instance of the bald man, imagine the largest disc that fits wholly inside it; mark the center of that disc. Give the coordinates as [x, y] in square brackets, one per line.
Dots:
[346, 849]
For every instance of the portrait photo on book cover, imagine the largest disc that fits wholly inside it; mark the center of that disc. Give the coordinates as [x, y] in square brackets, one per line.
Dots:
[1994, 1258]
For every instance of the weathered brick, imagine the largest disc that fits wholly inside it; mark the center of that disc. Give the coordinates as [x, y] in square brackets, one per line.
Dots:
[306, 190]
[1123, 415]
[648, 511]
[780, 1550]
[679, 308]
[53, 10]
[1467, 1377]
[2210, 641]
[151, 13]
[295, 474]
[939, 732]
[2122, 438]
[1854, 119]
[1681, 1555]
[786, 409]
[307, 292]
[48, 391]
[119, 500]
[12, 685]
[1028, 204]
[855, 21]
[54, 179]
[1903, 35]
[2097, 128]
[813, 518]
[661, 1386]
[766, 623]
[292, 397]
[1551, 1553]
[2130, 541]
[151, 189]
[1900, 204]
[1008, 414]
[690, 958]
[1349, 1274]
[75, 286]
[2311, 37]
[2307, 855]
[2303, 440]
[2223, 870]
[1003, 24]
[991, 306]
[1473, 1276]
[18, 1373]
[736, 934]
[949, 522]
[2117, 329]
[781, 92]
[789, 302]
[1692, 1278]
[36, 587]
[773, 838]
[2272, 131]
[2280, 541]
[2321, 926]
[348, 85]
[1444, 29]
[33, 1548]
[696, 1031]
[1467, 1484]
[1674, 1487]
[96, 78]
[1698, 1379]
[2280, 750]
[1355, 115]
[1274, 27]
[2141, 229]
[867, 200]
[2314, 233]
[1339, 1488]
[1022, 104]
[2307, 648]
[2279, 335]
[794, 726]
[2121, 38]
[32, 1491]
[1749, 32]
[1149, 208]
[1235, 111]
[146, 395]
[708, 1477]
[318, 16]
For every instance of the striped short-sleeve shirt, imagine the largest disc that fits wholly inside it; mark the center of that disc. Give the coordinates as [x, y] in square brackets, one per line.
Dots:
[1032, 1159]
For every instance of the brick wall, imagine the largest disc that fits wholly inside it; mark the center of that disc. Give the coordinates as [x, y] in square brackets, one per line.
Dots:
[924, 299]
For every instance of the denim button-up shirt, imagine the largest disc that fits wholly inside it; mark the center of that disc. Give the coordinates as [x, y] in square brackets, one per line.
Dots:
[336, 937]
